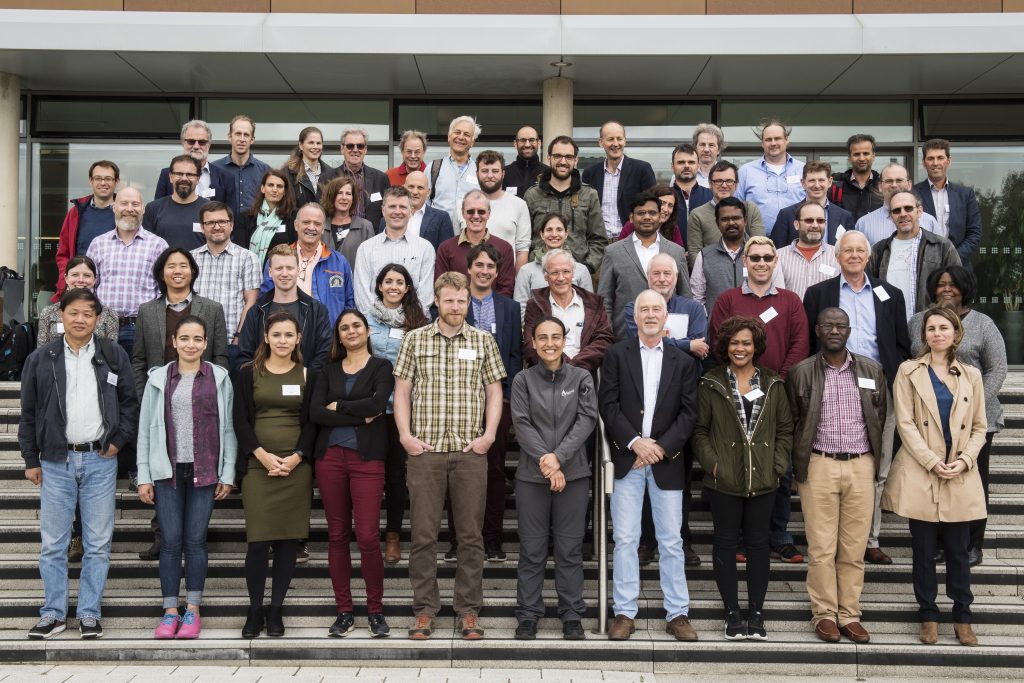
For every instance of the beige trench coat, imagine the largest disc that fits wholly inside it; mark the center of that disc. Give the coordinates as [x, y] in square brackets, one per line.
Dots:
[912, 490]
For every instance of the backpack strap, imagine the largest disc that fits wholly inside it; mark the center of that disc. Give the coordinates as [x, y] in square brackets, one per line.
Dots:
[435, 172]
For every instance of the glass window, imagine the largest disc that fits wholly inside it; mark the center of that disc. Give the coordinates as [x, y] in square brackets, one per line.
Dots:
[81, 117]
[278, 121]
[820, 122]
[643, 120]
[959, 120]
[500, 121]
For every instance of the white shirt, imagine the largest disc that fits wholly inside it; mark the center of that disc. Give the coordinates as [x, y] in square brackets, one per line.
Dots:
[203, 185]
[650, 362]
[572, 317]
[941, 201]
[610, 201]
[415, 221]
[85, 422]
[901, 271]
[645, 254]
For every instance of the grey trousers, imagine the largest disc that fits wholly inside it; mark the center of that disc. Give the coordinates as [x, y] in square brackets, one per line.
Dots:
[543, 515]
[884, 464]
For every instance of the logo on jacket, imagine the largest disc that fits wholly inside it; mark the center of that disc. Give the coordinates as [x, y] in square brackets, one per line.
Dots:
[336, 281]
[568, 392]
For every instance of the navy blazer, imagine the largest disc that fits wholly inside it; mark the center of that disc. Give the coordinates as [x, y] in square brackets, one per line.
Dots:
[436, 226]
[784, 233]
[964, 217]
[636, 176]
[509, 336]
[220, 181]
[699, 196]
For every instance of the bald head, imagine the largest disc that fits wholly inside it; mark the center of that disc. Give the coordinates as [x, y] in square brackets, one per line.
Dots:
[416, 183]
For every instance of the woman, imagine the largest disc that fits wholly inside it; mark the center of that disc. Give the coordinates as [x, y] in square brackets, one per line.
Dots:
[348, 400]
[270, 221]
[186, 458]
[933, 482]
[345, 230]
[80, 273]
[553, 233]
[742, 439]
[669, 211]
[275, 440]
[307, 174]
[554, 410]
[983, 347]
[396, 310]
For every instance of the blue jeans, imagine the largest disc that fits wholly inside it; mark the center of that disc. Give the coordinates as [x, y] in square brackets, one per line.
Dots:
[184, 512]
[781, 510]
[88, 480]
[667, 506]
[126, 338]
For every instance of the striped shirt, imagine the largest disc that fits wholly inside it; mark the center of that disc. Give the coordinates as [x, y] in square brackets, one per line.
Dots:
[225, 278]
[841, 426]
[124, 272]
[610, 202]
[799, 273]
[415, 253]
[878, 225]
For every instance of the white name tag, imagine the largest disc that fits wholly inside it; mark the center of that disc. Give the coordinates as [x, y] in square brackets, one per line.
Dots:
[280, 228]
[375, 197]
[494, 328]
[793, 179]
[208, 192]
[467, 354]
[677, 325]
[866, 383]
[881, 293]
[513, 190]
[197, 227]
[827, 270]
[753, 395]
[60, 328]
[112, 379]
[744, 271]
[396, 333]
[290, 390]
[342, 234]
[769, 315]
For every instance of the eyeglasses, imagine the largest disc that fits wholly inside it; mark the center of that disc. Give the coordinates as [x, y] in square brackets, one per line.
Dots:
[192, 142]
[222, 223]
[355, 145]
[103, 179]
[563, 157]
[646, 214]
[475, 212]
[178, 174]
[828, 327]
[757, 258]
[527, 141]
[897, 210]
[813, 221]
[723, 183]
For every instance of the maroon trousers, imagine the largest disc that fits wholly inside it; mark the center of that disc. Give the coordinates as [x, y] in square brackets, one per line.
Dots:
[494, 512]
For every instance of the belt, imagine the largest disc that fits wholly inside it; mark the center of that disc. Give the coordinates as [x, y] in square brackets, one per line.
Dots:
[85, 447]
[840, 456]
[127, 320]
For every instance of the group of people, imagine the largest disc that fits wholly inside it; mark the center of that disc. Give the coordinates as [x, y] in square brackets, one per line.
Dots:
[386, 333]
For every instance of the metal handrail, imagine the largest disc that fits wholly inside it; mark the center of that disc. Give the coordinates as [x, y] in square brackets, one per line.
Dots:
[604, 482]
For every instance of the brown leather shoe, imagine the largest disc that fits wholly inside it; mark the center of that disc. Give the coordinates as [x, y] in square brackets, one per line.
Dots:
[644, 555]
[422, 629]
[827, 630]
[876, 556]
[470, 627]
[681, 629]
[965, 634]
[392, 550]
[622, 628]
[929, 632]
[855, 632]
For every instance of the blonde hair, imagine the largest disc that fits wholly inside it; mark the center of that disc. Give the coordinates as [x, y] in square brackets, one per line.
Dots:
[758, 241]
[452, 280]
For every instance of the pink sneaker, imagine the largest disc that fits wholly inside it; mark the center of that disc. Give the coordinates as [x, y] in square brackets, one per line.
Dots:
[167, 628]
[190, 626]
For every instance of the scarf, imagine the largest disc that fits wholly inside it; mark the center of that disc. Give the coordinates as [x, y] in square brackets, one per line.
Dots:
[392, 317]
[267, 224]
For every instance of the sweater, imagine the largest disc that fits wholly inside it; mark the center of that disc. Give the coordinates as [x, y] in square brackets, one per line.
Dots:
[788, 341]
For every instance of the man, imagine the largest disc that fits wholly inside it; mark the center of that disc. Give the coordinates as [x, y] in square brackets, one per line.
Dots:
[78, 409]
[838, 402]
[908, 257]
[213, 180]
[500, 317]
[773, 181]
[433, 225]
[718, 266]
[809, 259]
[448, 405]
[524, 172]
[879, 224]
[451, 255]
[648, 398]
[955, 207]
[510, 217]
[857, 189]
[324, 274]
[413, 146]
[175, 217]
[314, 325]
[689, 193]
[701, 225]
[124, 261]
[618, 179]
[709, 141]
[244, 171]
[816, 181]
[228, 274]
[878, 331]
[394, 245]
[561, 190]
[451, 176]
[88, 218]
[531, 276]
[624, 267]
[372, 182]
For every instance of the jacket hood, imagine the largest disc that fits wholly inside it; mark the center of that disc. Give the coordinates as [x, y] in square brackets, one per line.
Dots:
[575, 183]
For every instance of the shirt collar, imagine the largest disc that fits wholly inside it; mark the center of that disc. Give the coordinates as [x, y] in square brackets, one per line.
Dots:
[436, 331]
[660, 346]
[745, 288]
[186, 301]
[932, 187]
[637, 242]
[843, 282]
[173, 372]
[463, 239]
[489, 297]
[618, 170]
[87, 348]
[577, 300]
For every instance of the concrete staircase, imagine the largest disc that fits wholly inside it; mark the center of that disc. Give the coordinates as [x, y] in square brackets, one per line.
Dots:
[131, 605]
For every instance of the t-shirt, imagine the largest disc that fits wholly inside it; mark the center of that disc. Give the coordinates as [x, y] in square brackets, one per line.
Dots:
[177, 223]
[901, 271]
[92, 222]
[181, 416]
[290, 307]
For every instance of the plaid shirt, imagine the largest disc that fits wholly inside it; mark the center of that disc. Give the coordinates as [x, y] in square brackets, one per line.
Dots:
[737, 400]
[125, 271]
[448, 375]
[841, 427]
[225, 277]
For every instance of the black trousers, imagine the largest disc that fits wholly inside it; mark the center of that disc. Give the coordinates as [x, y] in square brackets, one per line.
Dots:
[924, 539]
[978, 525]
[751, 517]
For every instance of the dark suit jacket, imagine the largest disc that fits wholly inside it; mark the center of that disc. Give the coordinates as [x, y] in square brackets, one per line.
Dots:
[368, 398]
[784, 233]
[621, 402]
[509, 336]
[220, 181]
[890, 321]
[303, 189]
[699, 196]
[436, 226]
[964, 217]
[637, 176]
[374, 183]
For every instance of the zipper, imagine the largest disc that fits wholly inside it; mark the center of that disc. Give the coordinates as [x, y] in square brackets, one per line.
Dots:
[747, 440]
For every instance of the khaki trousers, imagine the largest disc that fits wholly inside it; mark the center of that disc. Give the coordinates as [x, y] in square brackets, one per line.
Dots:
[837, 500]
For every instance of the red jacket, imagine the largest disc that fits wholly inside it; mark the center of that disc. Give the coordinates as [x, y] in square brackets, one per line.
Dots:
[595, 338]
[68, 240]
[396, 175]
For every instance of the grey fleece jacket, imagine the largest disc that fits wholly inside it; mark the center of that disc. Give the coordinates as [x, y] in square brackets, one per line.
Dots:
[553, 412]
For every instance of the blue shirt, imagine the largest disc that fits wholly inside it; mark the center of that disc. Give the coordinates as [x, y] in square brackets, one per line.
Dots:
[483, 314]
[345, 436]
[860, 306]
[771, 191]
[245, 181]
[696, 328]
[92, 222]
[944, 397]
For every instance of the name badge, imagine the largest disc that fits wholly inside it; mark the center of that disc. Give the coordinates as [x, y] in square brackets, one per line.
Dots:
[208, 192]
[375, 197]
[60, 328]
[342, 234]
[467, 354]
[882, 295]
[840, 231]
[677, 325]
[866, 383]
[112, 379]
[494, 328]
[753, 395]
[396, 333]
[280, 228]
[744, 271]
[827, 270]
[513, 190]
[291, 390]
[793, 179]
[769, 315]
[197, 227]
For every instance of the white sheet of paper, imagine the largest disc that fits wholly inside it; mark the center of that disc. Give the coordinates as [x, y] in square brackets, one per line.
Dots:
[866, 383]
[290, 390]
[840, 231]
[678, 324]
[467, 354]
[396, 333]
[513, 190]
[881, 293]
[208, 193]
[744, 271]
[827, 270]
[280, 228]
[769, 315]
[793, 179]
[112, 379]
[753, 394]
[375, 197]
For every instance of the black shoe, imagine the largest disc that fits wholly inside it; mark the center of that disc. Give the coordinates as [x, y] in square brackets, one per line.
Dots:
[526, 630]
[152, 553]
[755, 626]
[253, 622]
[691, 558]
[494, 552]
[735, 625]
[302, 557]
[573, 630]
[644, 554]
[275, 622]
[378, 627]
[75, 550]
[343, 625]
[940, 557]
[90, 628]
[47, 628]
[787, 552]
[453, 553]
[975, 556]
